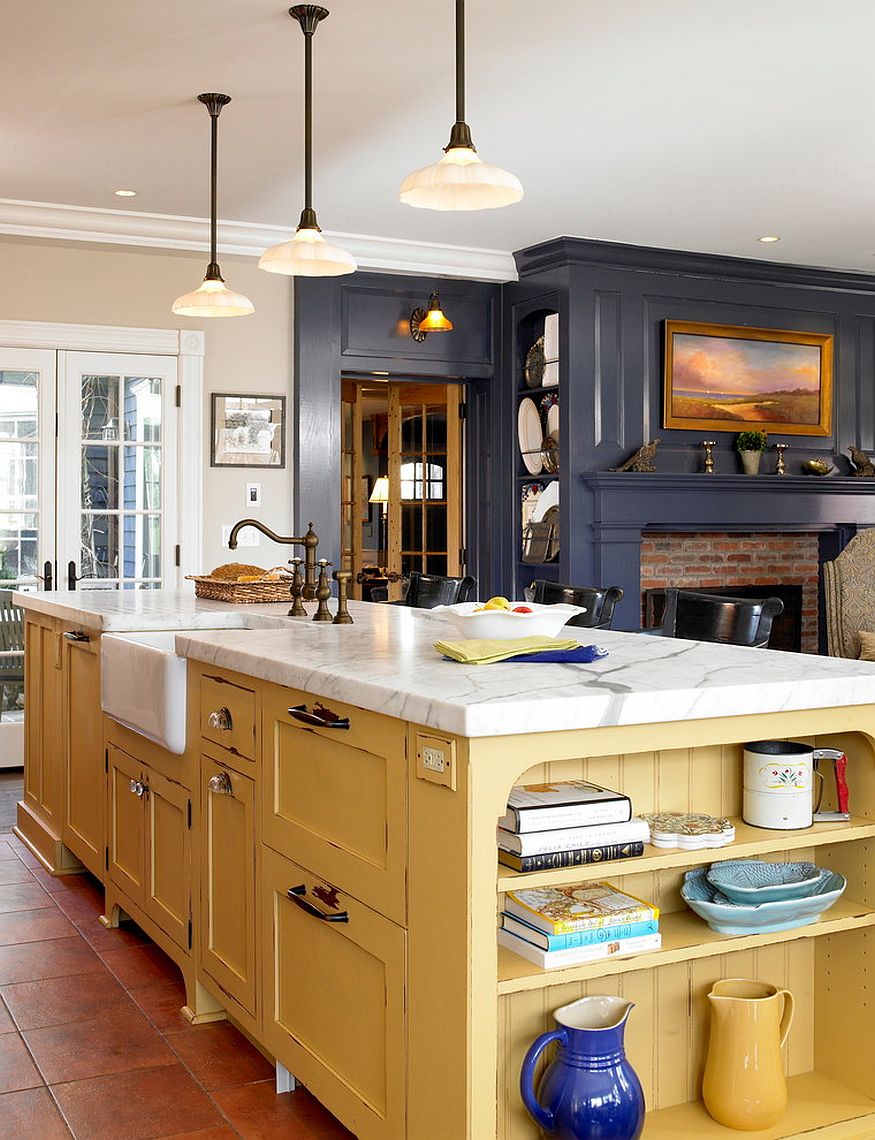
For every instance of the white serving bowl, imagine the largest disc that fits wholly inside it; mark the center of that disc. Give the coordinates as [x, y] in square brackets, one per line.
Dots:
[543, 621]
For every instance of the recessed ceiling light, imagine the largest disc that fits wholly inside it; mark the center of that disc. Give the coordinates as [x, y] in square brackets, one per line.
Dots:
[125, 193]
[769, 238]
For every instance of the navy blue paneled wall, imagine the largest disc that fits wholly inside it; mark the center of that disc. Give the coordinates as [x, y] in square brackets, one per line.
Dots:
[358, 326]
[613, 301]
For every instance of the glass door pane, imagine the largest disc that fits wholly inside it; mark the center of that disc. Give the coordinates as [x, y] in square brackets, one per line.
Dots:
[119, 525]
[27, 531]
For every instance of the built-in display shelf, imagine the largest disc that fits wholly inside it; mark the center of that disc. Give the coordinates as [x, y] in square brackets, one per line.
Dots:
[685, 936]
[814, 1101]
[749, 841]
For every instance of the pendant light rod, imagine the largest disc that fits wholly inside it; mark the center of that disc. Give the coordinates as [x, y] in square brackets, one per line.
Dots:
[214, 102]
[460, 135]
[309, 17]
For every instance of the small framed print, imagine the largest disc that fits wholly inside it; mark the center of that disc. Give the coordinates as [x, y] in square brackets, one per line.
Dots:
[248, 431]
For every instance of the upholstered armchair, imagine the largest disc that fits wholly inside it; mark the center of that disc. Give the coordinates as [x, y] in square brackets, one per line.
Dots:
[849, 595]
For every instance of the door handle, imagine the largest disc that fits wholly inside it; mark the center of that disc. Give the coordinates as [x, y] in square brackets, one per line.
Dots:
[220, 784]
[71, 576]
[48, 576]
[319, 716]
[221, 719]
[296, 894]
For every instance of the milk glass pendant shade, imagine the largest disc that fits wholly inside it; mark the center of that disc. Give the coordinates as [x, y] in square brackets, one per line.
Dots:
[460, 180]
[213, 298]
[308, 254]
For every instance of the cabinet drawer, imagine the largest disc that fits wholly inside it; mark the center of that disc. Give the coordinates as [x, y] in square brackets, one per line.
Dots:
[334, 998]
[227, 902]
[335, 798]
[228, 715]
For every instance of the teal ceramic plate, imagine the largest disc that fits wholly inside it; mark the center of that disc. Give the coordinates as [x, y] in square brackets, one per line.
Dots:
[755, 881]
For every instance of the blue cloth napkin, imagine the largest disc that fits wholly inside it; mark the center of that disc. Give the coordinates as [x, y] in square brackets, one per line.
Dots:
[582, 655]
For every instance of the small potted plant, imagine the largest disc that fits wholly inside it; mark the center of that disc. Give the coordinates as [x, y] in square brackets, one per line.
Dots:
[750, 446]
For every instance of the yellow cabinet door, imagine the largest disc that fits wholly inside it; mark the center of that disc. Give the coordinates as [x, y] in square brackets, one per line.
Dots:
[127, 823]
[43, 720]
[168, 858]
[227, 867]
[334, 997]
[336, 798]
[84, 830]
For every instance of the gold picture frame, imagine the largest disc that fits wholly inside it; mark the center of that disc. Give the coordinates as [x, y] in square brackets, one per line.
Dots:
[734, 378]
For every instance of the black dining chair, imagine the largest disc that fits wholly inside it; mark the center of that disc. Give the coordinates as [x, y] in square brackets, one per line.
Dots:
[429, 590]
[719, 618]
[598, 601]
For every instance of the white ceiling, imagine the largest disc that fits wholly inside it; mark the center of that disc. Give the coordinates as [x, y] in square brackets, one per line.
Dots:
[689, 124]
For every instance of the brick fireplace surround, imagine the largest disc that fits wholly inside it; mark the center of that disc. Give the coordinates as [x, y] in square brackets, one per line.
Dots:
[727, 559]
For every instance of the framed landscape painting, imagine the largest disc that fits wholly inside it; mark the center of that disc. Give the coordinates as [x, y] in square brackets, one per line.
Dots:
[248, 431]
[732, 378]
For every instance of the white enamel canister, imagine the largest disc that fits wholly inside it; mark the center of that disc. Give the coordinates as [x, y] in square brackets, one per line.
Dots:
[778, 779]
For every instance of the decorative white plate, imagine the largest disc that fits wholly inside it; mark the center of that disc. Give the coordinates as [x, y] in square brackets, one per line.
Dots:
[553, 421]
[548, 498]
[542, 621]
[531, 435]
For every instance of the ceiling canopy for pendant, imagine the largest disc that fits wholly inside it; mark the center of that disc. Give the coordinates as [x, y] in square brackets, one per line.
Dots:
[461, 180]
[213, 298]
[308, 254]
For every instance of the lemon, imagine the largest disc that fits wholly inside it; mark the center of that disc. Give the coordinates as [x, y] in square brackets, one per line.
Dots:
[497, 603]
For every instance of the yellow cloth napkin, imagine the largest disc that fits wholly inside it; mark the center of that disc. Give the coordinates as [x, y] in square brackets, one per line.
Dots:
[486, 651]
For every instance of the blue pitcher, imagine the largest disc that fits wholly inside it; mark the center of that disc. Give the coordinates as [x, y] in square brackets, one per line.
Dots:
[589, 1091]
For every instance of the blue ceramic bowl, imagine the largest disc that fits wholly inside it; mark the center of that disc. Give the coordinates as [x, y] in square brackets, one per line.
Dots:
[754, 881]
[726, 917]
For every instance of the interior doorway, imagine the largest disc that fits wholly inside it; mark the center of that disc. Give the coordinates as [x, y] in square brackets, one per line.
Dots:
[402, 482]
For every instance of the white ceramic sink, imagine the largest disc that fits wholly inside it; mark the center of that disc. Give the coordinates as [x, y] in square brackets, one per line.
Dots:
[142, 685]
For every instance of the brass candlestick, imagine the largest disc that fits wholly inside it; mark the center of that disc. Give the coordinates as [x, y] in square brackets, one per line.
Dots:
[709, 445]
[323, 592]
[342, 578]
[297, 588]
[780, 469]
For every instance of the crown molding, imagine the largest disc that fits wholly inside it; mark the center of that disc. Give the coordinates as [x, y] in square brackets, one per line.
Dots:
[57, 222]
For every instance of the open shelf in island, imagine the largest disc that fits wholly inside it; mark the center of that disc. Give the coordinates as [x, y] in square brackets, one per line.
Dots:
[685, 937]
[749, 841]
[814, 1101]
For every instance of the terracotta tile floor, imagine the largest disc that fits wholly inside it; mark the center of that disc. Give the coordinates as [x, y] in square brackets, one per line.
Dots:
[91, 1040]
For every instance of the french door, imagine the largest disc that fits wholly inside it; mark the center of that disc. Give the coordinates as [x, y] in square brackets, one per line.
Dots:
[88, 487]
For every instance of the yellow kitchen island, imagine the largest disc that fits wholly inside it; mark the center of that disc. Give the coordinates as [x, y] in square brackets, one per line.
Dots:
[344, 788]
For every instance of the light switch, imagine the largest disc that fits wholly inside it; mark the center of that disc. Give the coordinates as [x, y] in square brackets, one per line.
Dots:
[253, 494]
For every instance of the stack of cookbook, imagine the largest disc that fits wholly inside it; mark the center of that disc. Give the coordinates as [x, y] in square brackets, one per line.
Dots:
[581, 922]
[568, 824]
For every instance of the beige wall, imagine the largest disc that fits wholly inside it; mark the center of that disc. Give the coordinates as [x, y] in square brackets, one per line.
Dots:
[108, 285]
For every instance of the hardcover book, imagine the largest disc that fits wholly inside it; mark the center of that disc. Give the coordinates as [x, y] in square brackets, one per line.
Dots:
[579, 858]
[577, 906]
[571, 838]
[569, 803]
[552, 959]
[592, 937]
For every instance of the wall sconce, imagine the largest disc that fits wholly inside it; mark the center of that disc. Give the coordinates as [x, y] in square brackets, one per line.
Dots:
[422, 322]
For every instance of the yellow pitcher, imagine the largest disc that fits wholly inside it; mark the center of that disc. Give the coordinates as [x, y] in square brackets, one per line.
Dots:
[744, 1085]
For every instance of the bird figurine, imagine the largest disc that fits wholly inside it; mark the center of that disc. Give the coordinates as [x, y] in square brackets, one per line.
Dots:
[643, 458]
[861, 462]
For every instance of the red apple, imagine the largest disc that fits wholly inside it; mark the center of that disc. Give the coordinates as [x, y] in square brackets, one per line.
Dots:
[522, 610]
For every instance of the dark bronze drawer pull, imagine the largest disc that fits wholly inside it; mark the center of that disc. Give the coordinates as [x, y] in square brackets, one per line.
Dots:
[320, 716]
[77, 636]
[296, 895]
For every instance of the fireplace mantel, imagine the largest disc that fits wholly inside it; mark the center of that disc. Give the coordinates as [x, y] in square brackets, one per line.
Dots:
[627, 503]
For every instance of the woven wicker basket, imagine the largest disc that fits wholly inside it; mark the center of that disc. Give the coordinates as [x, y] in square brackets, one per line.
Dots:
[241, 593]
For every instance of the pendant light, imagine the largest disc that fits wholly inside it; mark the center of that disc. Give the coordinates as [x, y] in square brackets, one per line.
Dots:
[213, 298]
[308, 254]
[461, 180]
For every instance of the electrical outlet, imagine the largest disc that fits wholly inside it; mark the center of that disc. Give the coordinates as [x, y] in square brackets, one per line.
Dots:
[436, 761]
[248, 536]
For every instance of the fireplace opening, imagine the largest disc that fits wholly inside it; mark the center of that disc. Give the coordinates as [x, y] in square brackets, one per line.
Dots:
[786, 628]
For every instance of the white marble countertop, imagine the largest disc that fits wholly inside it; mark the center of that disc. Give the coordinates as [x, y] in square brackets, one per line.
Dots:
[123, 611]
[386, 662]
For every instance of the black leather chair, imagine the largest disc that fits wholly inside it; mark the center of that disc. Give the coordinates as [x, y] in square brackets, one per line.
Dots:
[429, 590]
[719, 617]
[599, 603]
